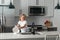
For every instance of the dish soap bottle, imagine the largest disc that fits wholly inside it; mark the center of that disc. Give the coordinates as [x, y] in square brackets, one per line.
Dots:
[32, 28]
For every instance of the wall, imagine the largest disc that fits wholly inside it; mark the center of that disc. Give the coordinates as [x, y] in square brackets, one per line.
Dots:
[39, 20]
[56, 19]
[23, 4]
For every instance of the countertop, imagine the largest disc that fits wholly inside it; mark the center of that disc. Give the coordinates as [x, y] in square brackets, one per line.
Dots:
[20, 36]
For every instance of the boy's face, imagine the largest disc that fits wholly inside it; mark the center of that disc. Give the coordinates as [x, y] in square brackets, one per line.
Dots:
[22, 17]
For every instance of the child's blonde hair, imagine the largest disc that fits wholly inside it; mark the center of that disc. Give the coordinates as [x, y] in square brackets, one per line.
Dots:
[22, 15]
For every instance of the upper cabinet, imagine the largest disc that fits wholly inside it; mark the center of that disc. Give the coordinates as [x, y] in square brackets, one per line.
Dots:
[36, 2]
[17, 6]
[40, 2]
[5, 2]
[24, 4]
[31, 2]
[49, 4]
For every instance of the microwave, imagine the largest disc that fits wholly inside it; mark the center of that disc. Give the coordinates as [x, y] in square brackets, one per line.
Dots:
[36, 10]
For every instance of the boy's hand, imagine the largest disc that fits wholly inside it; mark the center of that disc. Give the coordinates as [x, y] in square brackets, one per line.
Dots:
[18, 26]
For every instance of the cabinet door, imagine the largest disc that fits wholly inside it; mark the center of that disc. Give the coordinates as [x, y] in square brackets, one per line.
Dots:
[41, 2]
[0, 2]
[36, 2]
[31, 2]
[4, 2]
[24, 6]
[49, 4]
[17, 7]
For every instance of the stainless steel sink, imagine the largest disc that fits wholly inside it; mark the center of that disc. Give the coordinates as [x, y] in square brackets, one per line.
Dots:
[29, 33]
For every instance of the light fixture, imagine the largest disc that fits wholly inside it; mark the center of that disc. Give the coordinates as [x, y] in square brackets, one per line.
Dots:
[11, 6]
[58, 6]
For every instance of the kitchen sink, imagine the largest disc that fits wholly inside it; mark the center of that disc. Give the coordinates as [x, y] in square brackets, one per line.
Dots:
[29, 33]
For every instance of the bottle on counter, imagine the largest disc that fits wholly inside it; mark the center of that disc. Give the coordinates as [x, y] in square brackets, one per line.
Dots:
[32, 28]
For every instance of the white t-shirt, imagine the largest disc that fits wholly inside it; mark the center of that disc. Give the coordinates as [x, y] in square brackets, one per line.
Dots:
[22, 23]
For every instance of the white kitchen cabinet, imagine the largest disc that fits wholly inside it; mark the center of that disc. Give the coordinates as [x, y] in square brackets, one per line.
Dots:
[41, 3]
[24, 6]
[36, 2]
[49, 4]
[0, 1]
[17, 6]
[21, 6]
[5, 2]
[31, 2]
[26, 3]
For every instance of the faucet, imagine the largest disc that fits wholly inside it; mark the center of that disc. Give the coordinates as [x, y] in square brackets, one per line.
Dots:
[32, 28]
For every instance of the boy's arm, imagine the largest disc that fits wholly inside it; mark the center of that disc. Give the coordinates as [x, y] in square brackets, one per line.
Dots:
[18, 26]
[23, 26]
